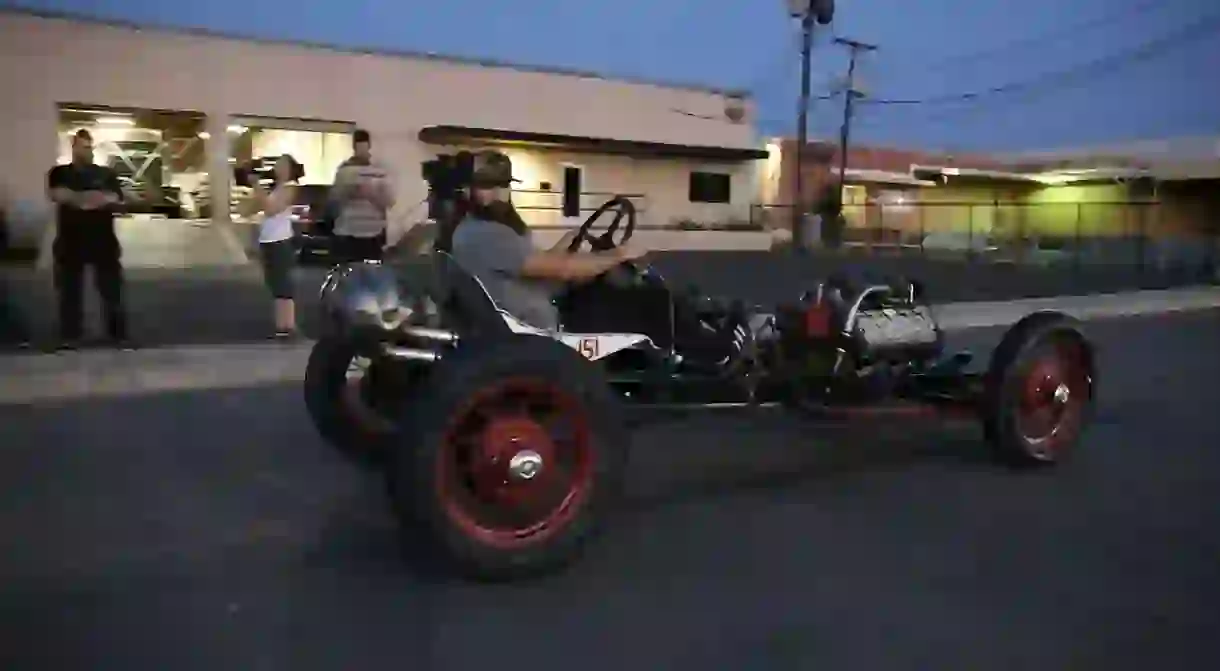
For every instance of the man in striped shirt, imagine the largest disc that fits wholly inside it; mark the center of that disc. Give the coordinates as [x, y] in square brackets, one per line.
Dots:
[363, 196]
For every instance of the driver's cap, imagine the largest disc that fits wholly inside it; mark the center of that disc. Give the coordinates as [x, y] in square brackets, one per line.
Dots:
[492, 169]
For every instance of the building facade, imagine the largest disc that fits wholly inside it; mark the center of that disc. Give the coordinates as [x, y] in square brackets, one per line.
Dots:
[900, 197]
[683, 153]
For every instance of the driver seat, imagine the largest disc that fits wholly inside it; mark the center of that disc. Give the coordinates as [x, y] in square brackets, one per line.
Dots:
[465, 300]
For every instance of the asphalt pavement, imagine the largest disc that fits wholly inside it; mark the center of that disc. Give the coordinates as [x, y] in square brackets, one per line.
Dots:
[212, 530]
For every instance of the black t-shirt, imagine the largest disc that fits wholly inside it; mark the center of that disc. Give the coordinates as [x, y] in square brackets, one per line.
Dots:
[90, 231]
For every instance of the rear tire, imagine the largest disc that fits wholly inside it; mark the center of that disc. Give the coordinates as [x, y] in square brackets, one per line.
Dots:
[337, 408]
[460, 487]
[1039, 391]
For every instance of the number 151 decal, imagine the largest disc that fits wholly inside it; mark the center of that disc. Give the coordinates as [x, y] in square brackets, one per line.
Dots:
[589, 348]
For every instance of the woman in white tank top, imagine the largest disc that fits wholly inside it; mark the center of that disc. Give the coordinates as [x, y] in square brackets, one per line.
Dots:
[276, 244]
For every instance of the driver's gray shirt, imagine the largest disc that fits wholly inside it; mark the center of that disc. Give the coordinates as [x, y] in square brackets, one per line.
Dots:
[496, 254]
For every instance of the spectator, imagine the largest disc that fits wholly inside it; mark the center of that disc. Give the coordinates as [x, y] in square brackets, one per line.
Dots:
[87, 197]
[829, 210]
[276, 245]
[364, 197]
[14, 330]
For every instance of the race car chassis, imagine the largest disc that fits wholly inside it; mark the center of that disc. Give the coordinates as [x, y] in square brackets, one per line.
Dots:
[503, 451]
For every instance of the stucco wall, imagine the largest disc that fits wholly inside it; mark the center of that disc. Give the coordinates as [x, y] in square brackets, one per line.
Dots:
[52, 61]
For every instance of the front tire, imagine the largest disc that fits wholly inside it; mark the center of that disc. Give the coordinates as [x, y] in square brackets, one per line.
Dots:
[337, 404]
[1039, 391]
[516, 456]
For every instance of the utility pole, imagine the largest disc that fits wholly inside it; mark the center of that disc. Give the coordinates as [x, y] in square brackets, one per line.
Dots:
[849, 97]
[810, 12]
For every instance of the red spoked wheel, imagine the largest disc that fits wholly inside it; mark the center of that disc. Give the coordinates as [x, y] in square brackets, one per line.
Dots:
[517, 463]
[517, 454]
[1040, 390]
[1054, 396]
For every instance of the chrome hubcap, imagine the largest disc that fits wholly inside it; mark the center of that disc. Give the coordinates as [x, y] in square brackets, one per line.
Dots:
[525, 465]
[1062, 394]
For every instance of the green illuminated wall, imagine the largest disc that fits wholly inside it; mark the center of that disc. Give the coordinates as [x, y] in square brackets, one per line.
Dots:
[1087, 210]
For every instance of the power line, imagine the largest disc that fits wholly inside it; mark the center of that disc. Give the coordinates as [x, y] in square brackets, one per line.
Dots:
[1068, 31]
[1092, 69]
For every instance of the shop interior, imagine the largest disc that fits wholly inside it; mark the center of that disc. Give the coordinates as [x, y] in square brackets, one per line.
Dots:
[319, 146]
[160, 155]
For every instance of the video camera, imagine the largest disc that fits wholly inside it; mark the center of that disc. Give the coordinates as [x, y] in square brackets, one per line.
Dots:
[447, 175]
[262, 170]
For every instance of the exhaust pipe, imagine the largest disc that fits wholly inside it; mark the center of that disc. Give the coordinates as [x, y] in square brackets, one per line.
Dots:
[414, 353]
[410, 354]
[426, 333]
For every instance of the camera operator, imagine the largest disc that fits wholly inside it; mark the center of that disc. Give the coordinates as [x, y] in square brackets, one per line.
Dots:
[87, 197]
[364, 198]
[276, 243]
[493, 243]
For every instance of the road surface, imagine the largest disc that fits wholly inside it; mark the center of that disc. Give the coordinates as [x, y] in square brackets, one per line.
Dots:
[212, 530]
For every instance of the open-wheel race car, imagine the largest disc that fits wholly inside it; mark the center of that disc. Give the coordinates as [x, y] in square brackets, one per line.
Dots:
[504, 445]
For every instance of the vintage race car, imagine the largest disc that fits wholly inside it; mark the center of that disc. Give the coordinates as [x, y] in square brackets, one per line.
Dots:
[504, 444]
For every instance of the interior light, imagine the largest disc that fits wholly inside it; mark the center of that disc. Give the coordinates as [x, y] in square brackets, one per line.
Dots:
[237, 128]
[203, 135]
[115, 121]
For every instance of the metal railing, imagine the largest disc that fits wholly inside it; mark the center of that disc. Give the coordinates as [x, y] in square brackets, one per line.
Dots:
[1141, 234]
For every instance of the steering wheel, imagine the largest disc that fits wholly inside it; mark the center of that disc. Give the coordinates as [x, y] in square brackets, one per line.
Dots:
[624, 208]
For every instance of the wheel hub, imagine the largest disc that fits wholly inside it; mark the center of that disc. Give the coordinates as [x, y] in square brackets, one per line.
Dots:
[512, 455]
[1047, 403]
[1062, 394]
[525, 465]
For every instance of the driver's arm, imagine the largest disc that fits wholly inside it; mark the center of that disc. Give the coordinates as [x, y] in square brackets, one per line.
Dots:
[569, 267]
[565, 241]
[498, 247]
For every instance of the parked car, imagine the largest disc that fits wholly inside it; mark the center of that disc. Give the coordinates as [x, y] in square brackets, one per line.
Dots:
[313, 219]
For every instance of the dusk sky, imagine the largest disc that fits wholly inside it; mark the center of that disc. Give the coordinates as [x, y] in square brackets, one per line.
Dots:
[928, 49]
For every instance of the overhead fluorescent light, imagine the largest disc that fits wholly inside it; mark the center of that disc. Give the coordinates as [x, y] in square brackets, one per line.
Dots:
[237, 128]
[115, 121]
[203, 135]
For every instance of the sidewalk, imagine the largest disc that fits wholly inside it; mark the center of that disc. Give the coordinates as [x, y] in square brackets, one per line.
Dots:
[45, 377]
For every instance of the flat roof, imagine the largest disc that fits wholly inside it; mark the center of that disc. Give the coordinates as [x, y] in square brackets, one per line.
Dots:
[1200, 147]
[391, 53]
[586, 144]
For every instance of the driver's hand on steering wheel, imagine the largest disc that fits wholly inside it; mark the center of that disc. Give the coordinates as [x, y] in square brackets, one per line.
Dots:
[630, 251]
[566, 240]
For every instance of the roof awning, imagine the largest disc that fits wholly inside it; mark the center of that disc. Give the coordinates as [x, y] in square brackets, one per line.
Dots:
[585, 145]
[1045, 178]
[882, 177]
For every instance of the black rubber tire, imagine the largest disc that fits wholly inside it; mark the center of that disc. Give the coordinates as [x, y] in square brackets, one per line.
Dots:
[359, 441]
[429, 532]
[1029, 341]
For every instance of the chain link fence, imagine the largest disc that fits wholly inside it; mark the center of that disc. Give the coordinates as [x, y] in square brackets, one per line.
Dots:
[1130, 234]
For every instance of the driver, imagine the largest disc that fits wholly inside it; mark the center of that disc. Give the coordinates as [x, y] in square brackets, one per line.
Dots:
[493, 243]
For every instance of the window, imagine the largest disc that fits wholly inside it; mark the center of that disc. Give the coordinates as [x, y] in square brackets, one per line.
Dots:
[571, 191]
[710, 187]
